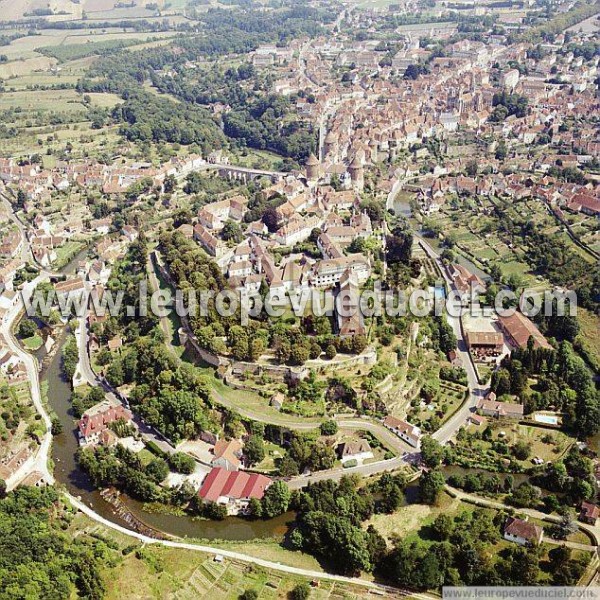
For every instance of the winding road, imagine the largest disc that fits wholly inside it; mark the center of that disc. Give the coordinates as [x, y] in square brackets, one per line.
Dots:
[40, 461]
[40, 464]
[406, 454]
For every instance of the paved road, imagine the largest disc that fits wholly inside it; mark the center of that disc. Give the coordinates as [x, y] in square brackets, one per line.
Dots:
[40, 463]
[406, 454]
[593, 530]
[390, 591]
[476, 391]
[351, 424]
[89, 376]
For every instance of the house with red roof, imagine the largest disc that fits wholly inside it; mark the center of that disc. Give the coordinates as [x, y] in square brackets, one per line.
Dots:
[96, 420]
[523, 533]
[586, 203]
[466, 283]
[517, 330]
[589, 513]
[234, 489]
[404, 430]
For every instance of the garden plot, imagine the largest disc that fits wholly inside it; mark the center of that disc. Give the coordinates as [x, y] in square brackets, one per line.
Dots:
[67, 101]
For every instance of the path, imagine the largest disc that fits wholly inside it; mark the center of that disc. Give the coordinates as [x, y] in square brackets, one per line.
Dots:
[401, 397]
[40, 463]
[477, 391]
[593, 530]
[295, 423]
[244, 557]
[88, 375]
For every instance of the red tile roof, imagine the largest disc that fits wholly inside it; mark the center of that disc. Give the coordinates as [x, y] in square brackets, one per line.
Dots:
[233, 484]
[520, 329]
[98, 418]
[589, 510]
[523, 529]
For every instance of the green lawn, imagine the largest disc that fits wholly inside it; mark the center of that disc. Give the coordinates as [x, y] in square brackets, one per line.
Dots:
[146, 457]
[33, 343]
[66, 252]
[49, 100]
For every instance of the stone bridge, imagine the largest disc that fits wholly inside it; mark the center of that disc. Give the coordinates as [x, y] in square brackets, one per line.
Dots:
[245, 174]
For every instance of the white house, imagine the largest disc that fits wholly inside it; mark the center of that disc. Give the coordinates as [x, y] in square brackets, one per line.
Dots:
[358, 451]
[523, 533]
[405, 431]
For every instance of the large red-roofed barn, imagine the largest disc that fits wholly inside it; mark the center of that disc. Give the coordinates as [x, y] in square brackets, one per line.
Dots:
[233, 488]
[97, 419]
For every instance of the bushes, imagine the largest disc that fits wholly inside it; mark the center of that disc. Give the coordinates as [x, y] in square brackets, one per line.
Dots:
[300, 592]
[120, 467]
[454, 374]
[212, 510]
[521, 450]
[182, 463]
[525, 496]
[70, 358]
[27, 328]
[155, 449]
[82, 402]
[276, 499]
[431, 485]
[329, 427]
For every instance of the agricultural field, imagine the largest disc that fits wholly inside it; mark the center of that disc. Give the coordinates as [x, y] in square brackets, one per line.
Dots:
[55, 138]
[586, 228]
[147, 571]
[588, 336]
[257, 159]
[418, 394]
[17, 423]
[549, 445]
[486, 241]
[17, 9]
[55, 101]
[68, 10]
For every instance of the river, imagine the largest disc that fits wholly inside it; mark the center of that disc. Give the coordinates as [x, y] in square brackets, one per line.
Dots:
[66, 470]
[65, 446]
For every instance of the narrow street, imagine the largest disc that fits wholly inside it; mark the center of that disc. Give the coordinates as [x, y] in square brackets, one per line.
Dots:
[476, 390]
[593, 530]
[40, 463]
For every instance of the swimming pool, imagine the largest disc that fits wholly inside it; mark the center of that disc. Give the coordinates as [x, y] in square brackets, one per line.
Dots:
[548, 419]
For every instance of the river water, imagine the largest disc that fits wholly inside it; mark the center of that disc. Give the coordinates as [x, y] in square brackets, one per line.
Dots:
[65, 446]
[66, 470]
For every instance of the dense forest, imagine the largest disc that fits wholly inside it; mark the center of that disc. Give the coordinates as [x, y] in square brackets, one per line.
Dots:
[259, 122]
[563, 382]
[146, 118]
[37, 558]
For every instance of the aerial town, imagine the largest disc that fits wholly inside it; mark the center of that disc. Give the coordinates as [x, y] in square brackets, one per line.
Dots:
[268, 273]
